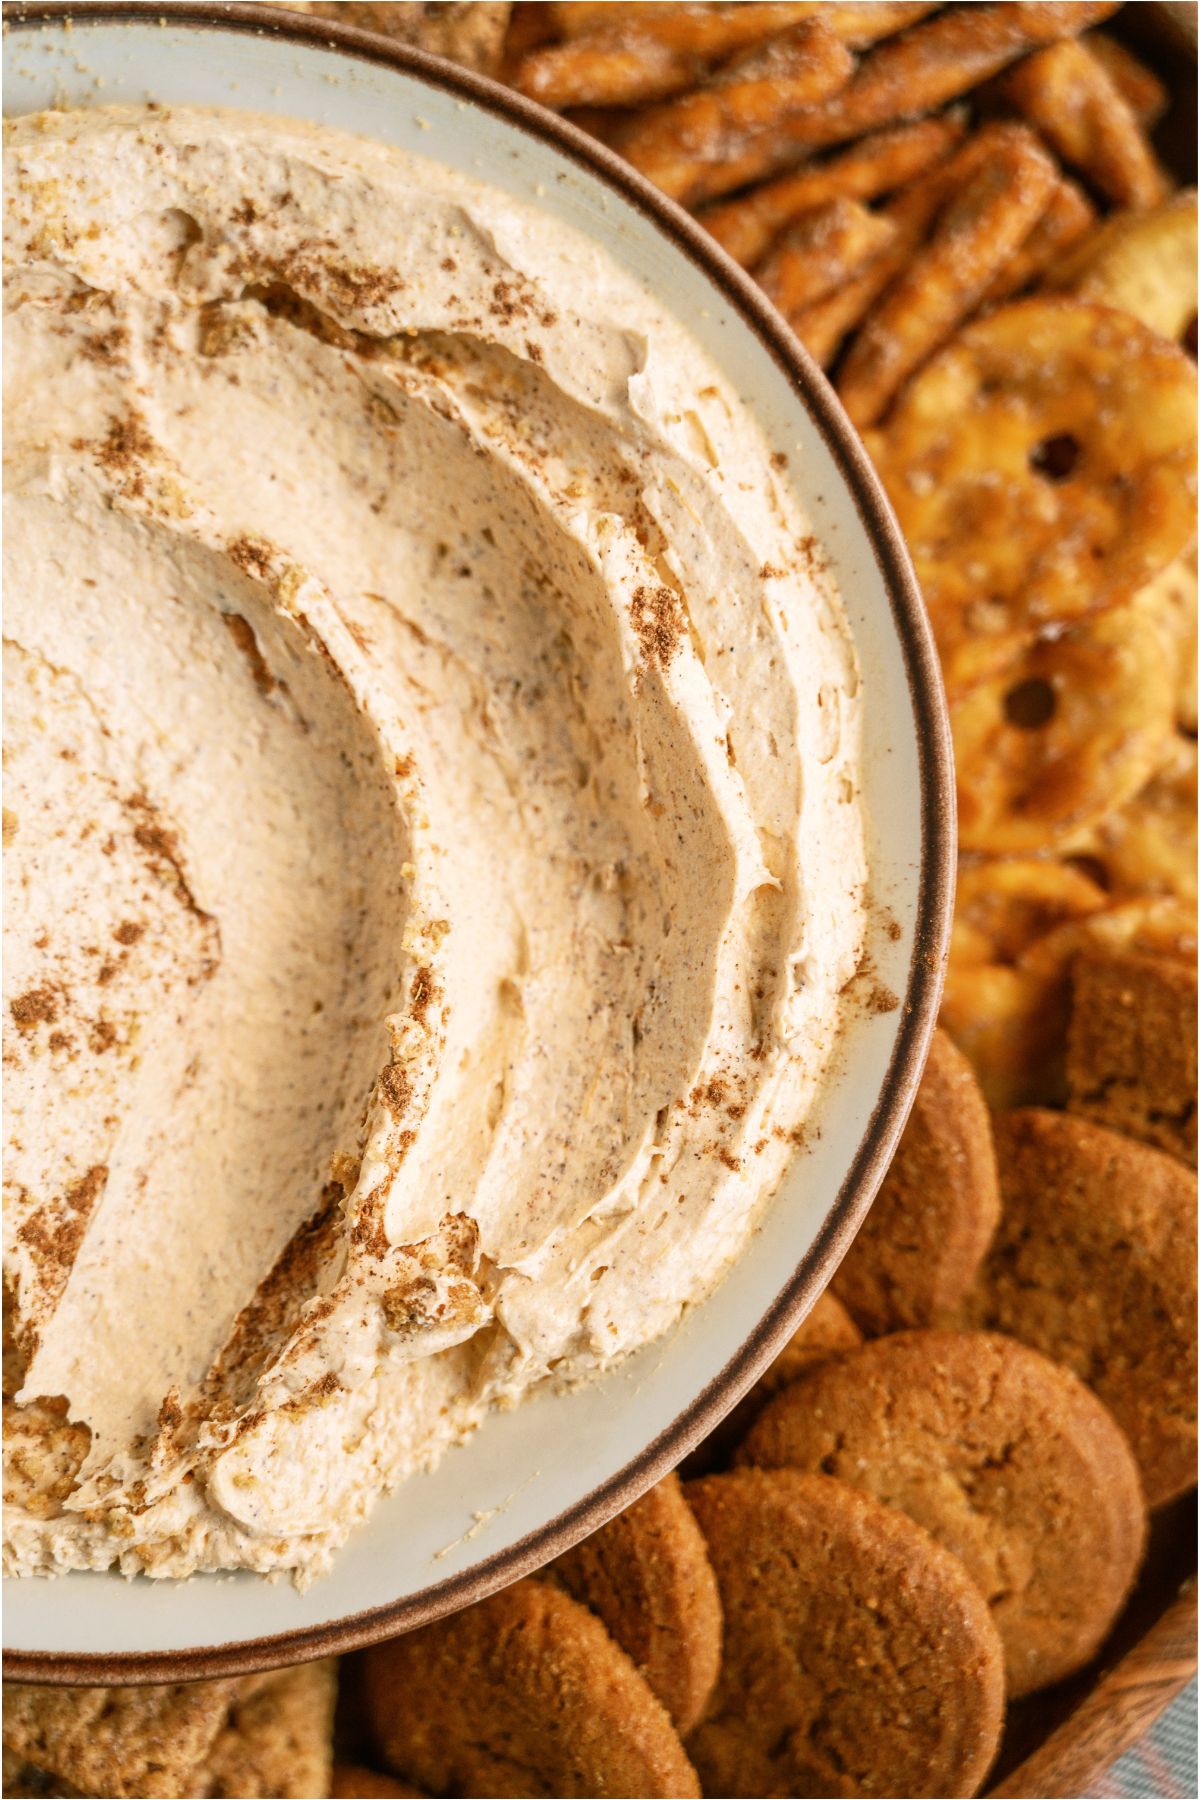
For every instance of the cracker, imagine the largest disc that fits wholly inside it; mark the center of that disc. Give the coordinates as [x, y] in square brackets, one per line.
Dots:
[919, 1248]
[858, 1658]
[1042, 467]
[1004, 1457]
[647, 1576]
[1131, 1050]
[1010, 1017]
[1095, 1264]
[526, 1694]
[976, 236]
[1072, 99]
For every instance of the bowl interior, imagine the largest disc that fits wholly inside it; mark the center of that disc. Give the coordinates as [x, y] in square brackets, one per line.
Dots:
[534, 1480]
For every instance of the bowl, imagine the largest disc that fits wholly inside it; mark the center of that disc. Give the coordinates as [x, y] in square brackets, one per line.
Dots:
[533, 1481]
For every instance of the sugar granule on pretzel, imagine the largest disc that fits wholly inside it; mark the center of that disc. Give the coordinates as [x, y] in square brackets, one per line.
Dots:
[1042, 467]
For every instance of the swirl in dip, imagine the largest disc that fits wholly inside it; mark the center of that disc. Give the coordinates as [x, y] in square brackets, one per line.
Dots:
[435, 853]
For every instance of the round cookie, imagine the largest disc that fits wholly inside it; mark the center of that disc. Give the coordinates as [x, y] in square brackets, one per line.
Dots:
[922, 1242]
[352, 1782]
[526, 1694]
[859, 1656]
[827, 1331]
[1007, 1459]
[1095, 1264]
[647, 1576]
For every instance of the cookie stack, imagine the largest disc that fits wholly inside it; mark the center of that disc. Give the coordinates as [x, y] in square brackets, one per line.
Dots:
[936, 1499]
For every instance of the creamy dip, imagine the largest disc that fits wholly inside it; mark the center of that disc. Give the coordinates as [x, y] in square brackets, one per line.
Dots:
[434, 848]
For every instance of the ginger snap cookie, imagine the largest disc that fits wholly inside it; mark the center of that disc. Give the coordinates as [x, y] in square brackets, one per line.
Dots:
[827, 1331]
[277, 1741]
[859, 1657]
[353, 1782]
[1006, 1458]
[1131, 1047]
[928, 1230]
[1095, 1264]
[526, 1694]
[647, 1576]
[116, 1741]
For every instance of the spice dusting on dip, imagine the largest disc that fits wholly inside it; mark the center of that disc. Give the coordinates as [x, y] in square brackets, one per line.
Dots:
[434, 846]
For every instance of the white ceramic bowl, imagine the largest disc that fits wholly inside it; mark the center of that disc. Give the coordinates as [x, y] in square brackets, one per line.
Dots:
[533, 1481]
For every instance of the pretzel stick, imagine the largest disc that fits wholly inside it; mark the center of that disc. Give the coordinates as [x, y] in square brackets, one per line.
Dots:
[1068, 218]
[822, 326]
[975, 236]
[716, 31]
[903, 78]
[1067, 93]
[824, 248]
[607, 71]
[617, 55]
[673, 144]
[1143, 93]
[746, 227]
[710, 31]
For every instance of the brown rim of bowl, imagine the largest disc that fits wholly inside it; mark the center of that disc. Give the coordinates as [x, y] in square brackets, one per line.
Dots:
[935, 894]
